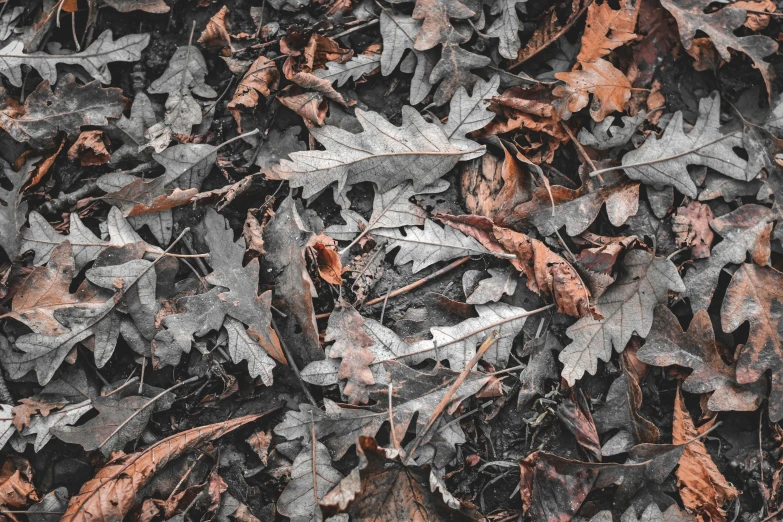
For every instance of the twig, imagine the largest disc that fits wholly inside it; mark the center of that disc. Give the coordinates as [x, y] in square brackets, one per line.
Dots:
[67, 200]
[313, 457]
[581, 150]
[438, 411]
[385, 300]
[354, 29]
[292, 363]
[395, 442]
[146, 405]
[124, 385]
[407, 288]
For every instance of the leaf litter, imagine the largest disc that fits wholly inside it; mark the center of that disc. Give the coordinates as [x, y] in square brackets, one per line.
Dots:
[425, 260]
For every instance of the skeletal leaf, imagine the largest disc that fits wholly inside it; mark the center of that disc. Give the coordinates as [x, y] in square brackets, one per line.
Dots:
[668, 345]
[605, 136]
[754, 295]
[312, 477]
[354, 68]
[744, 230]
[506, 27]
[94, 59]
[627, 307]
[429, 246]
[112, 492]
[384, 154]
[68, 108]
[663, 161]
[382, 487]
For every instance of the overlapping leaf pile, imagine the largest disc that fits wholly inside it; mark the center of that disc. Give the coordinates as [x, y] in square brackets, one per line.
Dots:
[422, 259]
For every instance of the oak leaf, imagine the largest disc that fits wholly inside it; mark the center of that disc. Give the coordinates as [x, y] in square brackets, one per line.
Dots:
[312, 477]
[90, 149]
[215, 34]
[16, 483]
[691, 223]
[383, 487]
[607, 28]
[436, 25]
[697, 349]
[627, 307]
[94, 59]
[68, 108]
[399, 32]
[13, 209]
[506, 27]
[260, 80]
[149, 6]
[605, 136]
[610, 88]
[355, 68]
[702, 487]
[112, 492]
[453, 69]
[754, 295]
[351, 342]
[132, 132]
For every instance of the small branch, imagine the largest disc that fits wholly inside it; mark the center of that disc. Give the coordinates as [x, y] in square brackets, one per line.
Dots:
[354, 29]
[64, 201]
[292, 363]
[438, 411]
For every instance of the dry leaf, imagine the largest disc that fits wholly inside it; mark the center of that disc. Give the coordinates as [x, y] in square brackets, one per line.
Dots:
[610, 88]
[692, 226]
[216, 34]
[90, 149]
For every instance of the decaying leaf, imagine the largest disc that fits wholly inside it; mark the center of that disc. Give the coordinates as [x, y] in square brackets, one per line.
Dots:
[383, 487]
[13, 209]
[399, 32]
[627, 307]
[754, 296]
[610, 88]
[692, 226]
[668, 345]
[312, 477]
[112, 492]
[703, 489]
[351, 342]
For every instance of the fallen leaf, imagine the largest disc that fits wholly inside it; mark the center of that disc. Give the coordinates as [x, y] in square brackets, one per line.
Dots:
[350, 346]
[215, 34]
[68, 109]
[754, 296]
[610, 88]
[16, 483]
[383, 486]
[702, 487]
[149, 6]
[501, 281]
[312, 477]
[89, 149]
[506, 27]
[112, 492]
[354, 69]
[399, 32]
[607, 28]
[453, 68]
[627, 307]
[691, 223]
[13, 209]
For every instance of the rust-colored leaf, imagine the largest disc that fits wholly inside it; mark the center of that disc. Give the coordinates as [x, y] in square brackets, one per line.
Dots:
[607, 28]
[703, 488]
[610, 88]
[351, 343]
[215, 34]
[692, 226]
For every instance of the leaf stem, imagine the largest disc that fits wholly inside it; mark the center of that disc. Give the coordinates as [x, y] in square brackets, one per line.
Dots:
[235, 138]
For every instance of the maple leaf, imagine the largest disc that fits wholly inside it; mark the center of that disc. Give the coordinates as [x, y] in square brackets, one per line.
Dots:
[720, 26]
[68, 108]
[94, 59]
[664, 161]
[382, 487]
[383, 154]
[668, 345]
[753, 295]
[351, 342]
[13, 209]
[610, 88]
[506, 27]
[312, 477]
[112, 492]
[285, 239]
[399, 33]
[627, 307]
[607, 28]
[553, 207]
[234, 294]
[746, 229]
[702, 487]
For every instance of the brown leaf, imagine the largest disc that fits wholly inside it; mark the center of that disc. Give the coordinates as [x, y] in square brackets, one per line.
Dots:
[491, 186]
[351, 343]
[381, 487]
[548, 273]
[697, 349]
[702, 487]
[574, 413]
[260, 442]
[322, 49]
[253, 232]
[330, 267]
[719, 26]
[36, 405]
[610, 88]
[112, 492]
[755, 21]
[550, 489]
[554, 207]
[16, 483]
[311, 106]
[754, 295]
[692, 226]
[607, 29]
[260, 80]
[215, 34]
[310, 82]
